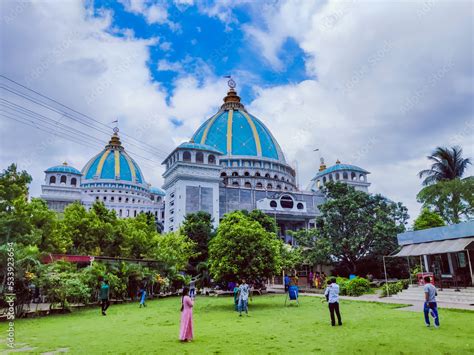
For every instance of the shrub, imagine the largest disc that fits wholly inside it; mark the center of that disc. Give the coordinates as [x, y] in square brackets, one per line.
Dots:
[393, 288]
[357, 287]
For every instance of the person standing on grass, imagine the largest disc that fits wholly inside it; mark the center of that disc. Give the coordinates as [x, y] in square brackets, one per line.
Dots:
[430, 306]
[287, 282]
[236, 296]
[104, 296]
[142, 294]
[310, 279]
[192, 288]
[332, 296]
[186, 329]
[244, 291]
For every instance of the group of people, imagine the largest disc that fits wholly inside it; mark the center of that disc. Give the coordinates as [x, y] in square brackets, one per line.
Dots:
[242, 293]
[317, 279]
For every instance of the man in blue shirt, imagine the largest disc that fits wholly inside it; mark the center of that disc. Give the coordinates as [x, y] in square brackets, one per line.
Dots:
[104, 296]
[430, 305]
[332, 296]
[287, 282]
[244, 291]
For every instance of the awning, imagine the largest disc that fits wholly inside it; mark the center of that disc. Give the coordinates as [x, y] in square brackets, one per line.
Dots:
[438, 247]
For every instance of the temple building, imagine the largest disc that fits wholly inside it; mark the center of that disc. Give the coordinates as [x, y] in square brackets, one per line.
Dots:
[232, 162]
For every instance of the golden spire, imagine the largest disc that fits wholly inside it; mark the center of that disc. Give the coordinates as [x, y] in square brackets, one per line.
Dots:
[338, 161]
[65, 163]
[232, 100]
[322, 166]
[115, 140]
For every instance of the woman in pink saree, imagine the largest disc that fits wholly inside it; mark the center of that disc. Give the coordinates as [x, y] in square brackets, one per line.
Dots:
[186, 330]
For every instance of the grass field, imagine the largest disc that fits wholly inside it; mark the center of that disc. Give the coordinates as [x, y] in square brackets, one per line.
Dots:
[271, 328]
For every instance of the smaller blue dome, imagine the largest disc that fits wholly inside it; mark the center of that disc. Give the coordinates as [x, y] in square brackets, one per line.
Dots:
[64, 168]
[340, 167]
[192, 145]
[157, 191]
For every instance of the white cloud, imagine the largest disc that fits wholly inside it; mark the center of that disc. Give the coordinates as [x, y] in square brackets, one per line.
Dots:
[154, 13]
[165, 65]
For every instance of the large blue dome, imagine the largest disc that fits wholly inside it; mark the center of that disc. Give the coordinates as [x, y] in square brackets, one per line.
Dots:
[113, 163]
[235, 132]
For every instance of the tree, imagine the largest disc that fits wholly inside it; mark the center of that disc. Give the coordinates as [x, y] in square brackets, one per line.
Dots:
[198, 227]
[314, 248]
[134, 236]
[242, 248]
[173, 250]
[13, 185]
[359, 226]
[428, 219]
[267, 222]
[453, 199]
[448, 164]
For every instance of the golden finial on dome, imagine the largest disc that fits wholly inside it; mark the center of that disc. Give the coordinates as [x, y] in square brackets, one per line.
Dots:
[232, 100]
[322, 166]
[65, 163]
[338, 161]
[115, 140]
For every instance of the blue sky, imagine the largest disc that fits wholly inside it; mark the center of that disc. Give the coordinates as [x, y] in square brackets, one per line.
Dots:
[203, 39]
[374, 84]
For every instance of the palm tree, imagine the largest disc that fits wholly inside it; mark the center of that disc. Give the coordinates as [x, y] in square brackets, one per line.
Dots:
[448, 164]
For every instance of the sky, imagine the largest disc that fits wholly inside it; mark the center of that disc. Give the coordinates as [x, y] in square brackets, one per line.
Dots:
[374, 84]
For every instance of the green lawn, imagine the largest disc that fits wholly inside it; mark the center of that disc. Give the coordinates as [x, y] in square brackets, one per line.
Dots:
[271, 328]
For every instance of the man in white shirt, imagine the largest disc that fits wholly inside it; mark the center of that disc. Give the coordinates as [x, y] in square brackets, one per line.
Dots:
[244, 291]
[332, 296]
[430, 305]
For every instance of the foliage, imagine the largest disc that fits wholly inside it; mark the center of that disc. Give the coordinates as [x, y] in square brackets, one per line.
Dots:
[242, 248]
[357, 225]
[62, 284]
[448, 164]
[290, 257]
[393, 288]
[198, 227]
[427, 219]
[452, 199]
[173, 250]
[355, 287]
[266, 221]
[314, 249]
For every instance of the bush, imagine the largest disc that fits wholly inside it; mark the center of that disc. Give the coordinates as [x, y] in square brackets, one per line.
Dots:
[357, 287]
[394, 288]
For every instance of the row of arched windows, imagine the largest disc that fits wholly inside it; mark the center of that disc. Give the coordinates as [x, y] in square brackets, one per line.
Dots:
[258, 185]
[62, 180]
[211, 159]
[257, 174]
[345, 176]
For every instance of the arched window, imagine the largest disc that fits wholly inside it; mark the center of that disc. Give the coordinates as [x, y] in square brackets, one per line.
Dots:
[248, 184]
[223, 174]
[128, 213]
[344, 176]
[235, 173]
[273, 204]
[286, 188]
[286, 202]
[259, 185]
[112, 199]
[267, 175]
[126, 200]
[246, 173]
[278, 187]
[211, 159]
[330, 178]
[269, 186]
[337, 176]
[324, 180]
[276, 177]
[353, 176]
[361, 177]
[299, 206]
[199, 157]
[120, 199]
[73, 181]
[52, 180]
[105, 198]
[282, 178]
[134, 213]
[120, 213]
[186, 156]
[63, 179]
[257, 174]
[235, 183]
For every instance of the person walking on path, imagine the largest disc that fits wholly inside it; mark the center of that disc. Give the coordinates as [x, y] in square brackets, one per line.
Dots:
[244, 291]
[430, 306]
[192, 288]
[142, 293]
[104, 296]
[332, 296]
[287, 282]
[186, 329]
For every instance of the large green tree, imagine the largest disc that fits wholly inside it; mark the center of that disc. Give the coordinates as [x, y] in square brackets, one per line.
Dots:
[242, 248]
[427, 219]
[453, 199]
[358, 226]
[447, 164]
[314, 248]
[198, 227]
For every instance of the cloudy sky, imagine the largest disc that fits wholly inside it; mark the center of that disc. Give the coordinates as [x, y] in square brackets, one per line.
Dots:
[375, 84]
